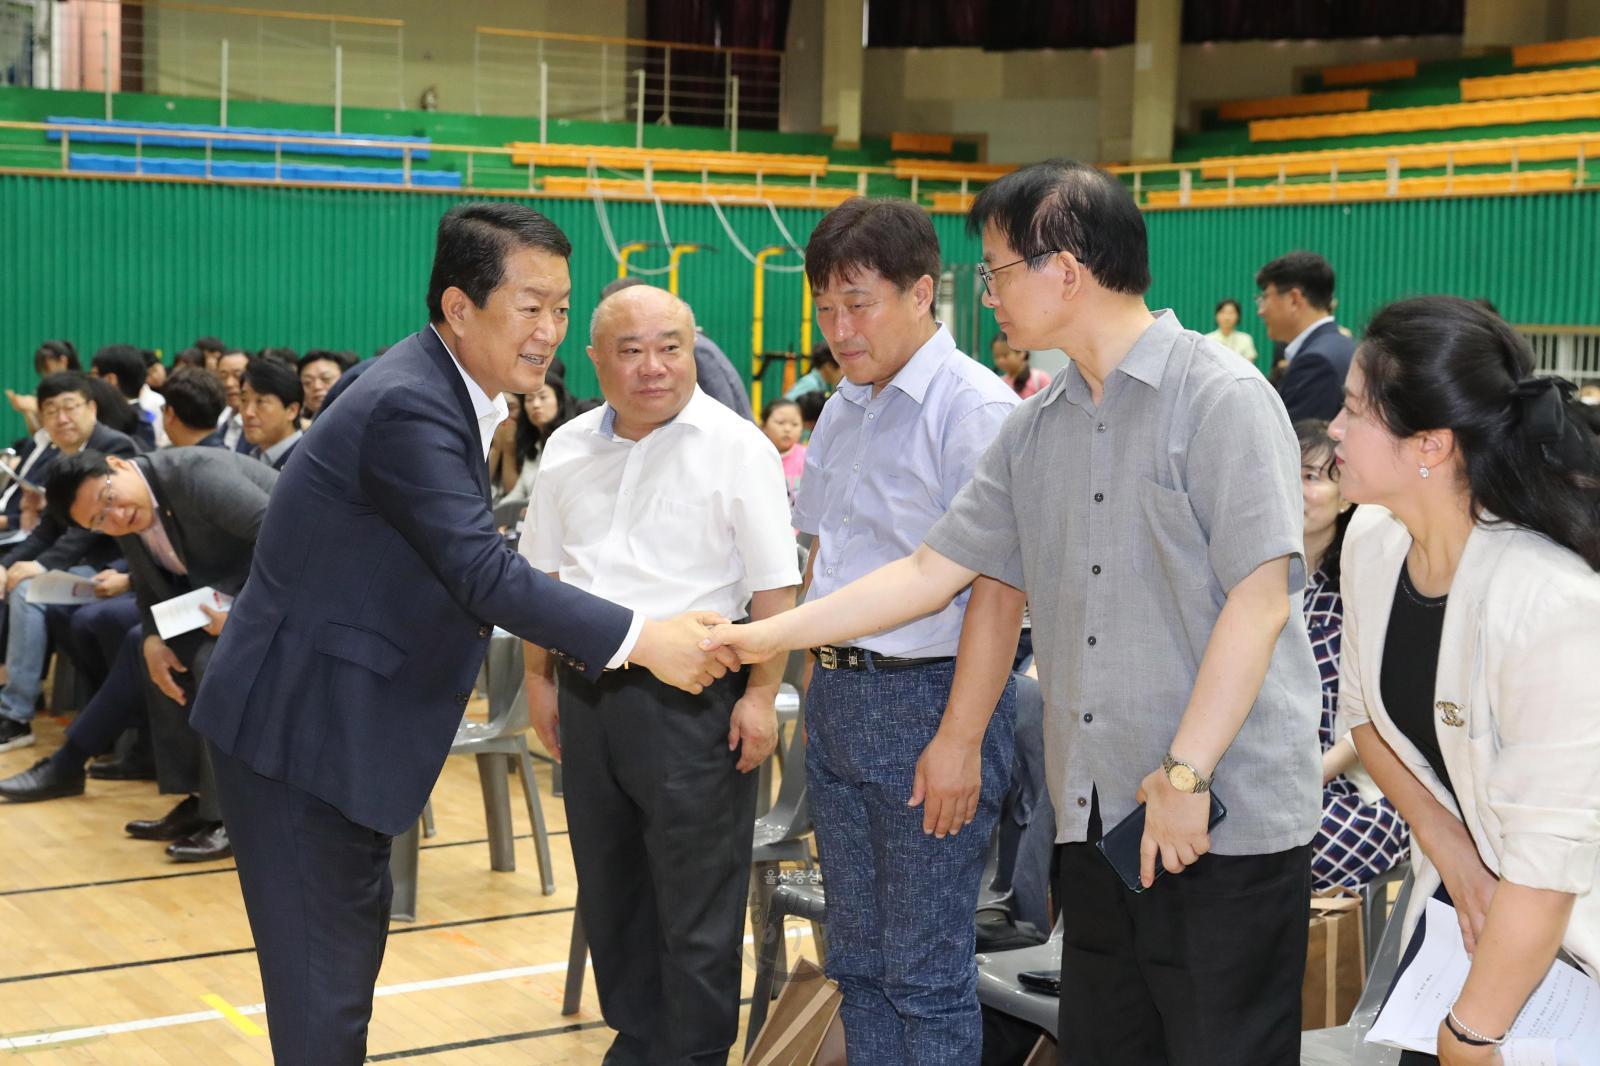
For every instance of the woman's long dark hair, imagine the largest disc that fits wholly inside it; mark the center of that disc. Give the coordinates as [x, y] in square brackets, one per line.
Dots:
[1438, 362]
[1317, 447]
[530, 438]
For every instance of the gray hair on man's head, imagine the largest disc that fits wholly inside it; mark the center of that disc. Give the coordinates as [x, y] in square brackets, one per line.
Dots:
[612, 291]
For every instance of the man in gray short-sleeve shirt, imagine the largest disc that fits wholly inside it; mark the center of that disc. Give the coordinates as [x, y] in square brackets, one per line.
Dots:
[1148, 503]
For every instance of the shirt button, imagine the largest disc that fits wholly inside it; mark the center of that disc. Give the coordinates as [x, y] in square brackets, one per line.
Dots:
[855, 466]
[1099, 497]
[830, 571]
[1101, 428]
[1095, 569]
[871, 416]
[1092, 642]
[1082, 802]
[845, 520]
[1088, 717]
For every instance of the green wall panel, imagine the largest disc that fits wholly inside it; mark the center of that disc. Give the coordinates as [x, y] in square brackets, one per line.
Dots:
[159, 264]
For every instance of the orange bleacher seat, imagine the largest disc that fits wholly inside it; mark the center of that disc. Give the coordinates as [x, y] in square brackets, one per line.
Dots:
[1577, 50]
[930, 143]
[1538, 83]
[1362, 73]
[1441, 117]
[944, 170]
[1356, 160]
[678, 160]
[696, 192]
[1303, 104]
[1406, 188]
[953, 203]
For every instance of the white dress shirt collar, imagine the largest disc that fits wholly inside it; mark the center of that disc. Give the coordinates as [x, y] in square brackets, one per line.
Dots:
[694, 414]
[489, 413]
[1293, 347]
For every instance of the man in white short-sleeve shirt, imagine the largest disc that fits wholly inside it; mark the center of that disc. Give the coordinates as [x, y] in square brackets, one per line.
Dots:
[665, 501]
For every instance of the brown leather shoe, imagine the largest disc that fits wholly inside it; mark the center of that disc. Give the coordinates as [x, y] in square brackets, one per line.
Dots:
[178, 822]
[203, 845]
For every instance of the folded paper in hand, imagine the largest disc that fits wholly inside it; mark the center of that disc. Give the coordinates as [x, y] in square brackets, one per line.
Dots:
[182, 614]
[1559, 1025]
[58, 586]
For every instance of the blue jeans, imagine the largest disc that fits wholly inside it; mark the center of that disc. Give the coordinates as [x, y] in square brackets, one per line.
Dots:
[900, 924]
[26, 637]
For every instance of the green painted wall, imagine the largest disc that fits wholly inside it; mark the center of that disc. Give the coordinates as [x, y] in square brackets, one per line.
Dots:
[159, 264]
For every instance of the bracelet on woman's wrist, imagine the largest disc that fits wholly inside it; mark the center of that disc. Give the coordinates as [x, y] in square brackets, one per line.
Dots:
[1468, 1035]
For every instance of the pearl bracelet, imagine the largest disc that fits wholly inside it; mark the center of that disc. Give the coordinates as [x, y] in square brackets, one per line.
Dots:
[1468, 1035]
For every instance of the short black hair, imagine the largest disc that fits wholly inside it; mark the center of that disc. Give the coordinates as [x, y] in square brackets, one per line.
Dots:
[1306, 271]
[125, 361]
[111, 407]
[811, 404]
[67, 475]
[1062, 205]
[893, 238]
[195, 397]
[63, 381]
[150, 358]
[210, 344]
[283, 356]
[1229, 301]
[472, 243]
[190, 357]
[270, 377]
[781, 401]
[344, 360]
[56, 350]
[822, 355]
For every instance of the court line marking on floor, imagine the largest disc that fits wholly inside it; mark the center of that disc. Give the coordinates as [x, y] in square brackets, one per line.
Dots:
[90, 1032]
[232, 1013]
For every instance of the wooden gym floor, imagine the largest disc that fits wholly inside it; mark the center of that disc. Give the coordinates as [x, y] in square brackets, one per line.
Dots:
[111, 954]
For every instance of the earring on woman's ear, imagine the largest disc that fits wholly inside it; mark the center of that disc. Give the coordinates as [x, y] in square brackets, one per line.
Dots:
[1423, 472]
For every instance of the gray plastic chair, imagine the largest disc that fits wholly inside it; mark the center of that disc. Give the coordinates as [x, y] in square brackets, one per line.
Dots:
[999, 989]
[494, 742]
[803, 899]
[1346, 1045]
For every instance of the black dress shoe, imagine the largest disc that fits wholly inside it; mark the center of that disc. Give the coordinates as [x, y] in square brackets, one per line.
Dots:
[130, 767]
[43, 780]
[178, 822]
[203, 845]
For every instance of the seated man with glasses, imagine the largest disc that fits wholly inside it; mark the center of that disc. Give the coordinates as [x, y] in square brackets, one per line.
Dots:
[67, 414]
[186, 518]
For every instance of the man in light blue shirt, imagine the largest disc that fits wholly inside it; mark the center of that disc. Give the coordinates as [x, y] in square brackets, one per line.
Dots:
[892, 724]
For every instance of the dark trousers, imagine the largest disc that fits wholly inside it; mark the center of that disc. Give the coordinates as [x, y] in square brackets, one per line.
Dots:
[183, 759]
[1202, 968]
[92, 634]
[317, 890]
[661, 825]
[119, 701]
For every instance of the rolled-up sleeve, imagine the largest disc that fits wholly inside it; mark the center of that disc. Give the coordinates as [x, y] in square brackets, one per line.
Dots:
[1244, 484]
[1544, 788]
[979, 531]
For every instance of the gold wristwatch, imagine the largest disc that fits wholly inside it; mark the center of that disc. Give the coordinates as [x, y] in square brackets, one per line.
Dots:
[1183, 777]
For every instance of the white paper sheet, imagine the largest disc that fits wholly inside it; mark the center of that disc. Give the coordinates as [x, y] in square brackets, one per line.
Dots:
[58, 586]
[1559, 1026]
[182, 614]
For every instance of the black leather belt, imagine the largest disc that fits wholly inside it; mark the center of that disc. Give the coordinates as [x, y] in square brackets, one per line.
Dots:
[830, 657]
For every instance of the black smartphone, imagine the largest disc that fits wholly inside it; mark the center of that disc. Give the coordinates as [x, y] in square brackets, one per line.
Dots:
[1121, 845]
[1046, 982]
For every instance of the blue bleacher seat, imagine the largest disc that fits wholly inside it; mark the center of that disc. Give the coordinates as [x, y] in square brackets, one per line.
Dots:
[196, 168]
[113, 132]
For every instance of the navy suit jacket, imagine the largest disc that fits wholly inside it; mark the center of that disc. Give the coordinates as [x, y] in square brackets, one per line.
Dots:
[1313, 387]
[378, 577]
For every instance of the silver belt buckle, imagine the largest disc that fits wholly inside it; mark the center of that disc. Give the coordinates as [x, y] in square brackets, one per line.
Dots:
[828, 657]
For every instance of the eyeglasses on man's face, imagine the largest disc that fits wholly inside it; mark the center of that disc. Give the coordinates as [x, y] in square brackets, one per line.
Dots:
[987, 273]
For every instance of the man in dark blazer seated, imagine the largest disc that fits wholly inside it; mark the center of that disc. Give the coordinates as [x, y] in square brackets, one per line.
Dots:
[185, 519]
[335, 691]
[1296, 303]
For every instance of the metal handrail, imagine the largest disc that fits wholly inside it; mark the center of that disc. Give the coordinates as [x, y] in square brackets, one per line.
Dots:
[266, 13]
[637, 42]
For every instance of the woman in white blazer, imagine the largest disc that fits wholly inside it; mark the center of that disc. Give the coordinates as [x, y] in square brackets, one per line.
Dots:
[1472, 622]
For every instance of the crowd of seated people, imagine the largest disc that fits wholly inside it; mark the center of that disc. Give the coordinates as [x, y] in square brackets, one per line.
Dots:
[150, 448]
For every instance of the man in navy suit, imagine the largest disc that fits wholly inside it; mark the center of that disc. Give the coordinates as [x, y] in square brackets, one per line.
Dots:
[1296, 303]
[337, 685]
